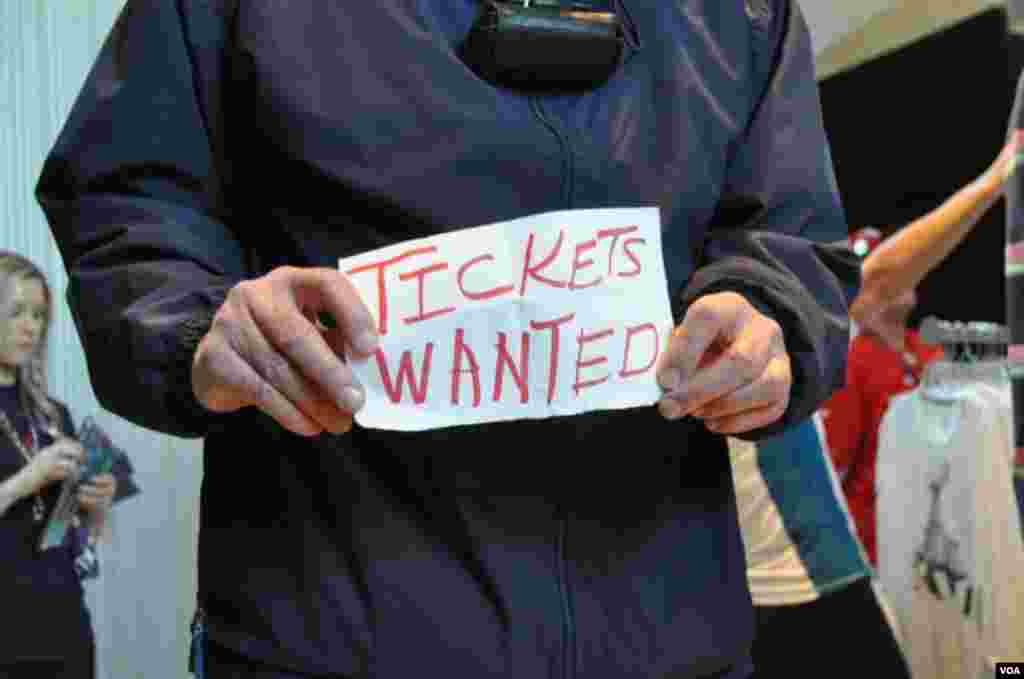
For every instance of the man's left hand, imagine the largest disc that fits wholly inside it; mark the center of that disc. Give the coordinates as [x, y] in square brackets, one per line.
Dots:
[726, 364]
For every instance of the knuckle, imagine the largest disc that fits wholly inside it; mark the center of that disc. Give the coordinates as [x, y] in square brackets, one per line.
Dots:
[258, 294]
[744, 363]
[292, 330]
[279, 279]
[701, 312]
[275, 369]
[773, 329]
[283, 272]
[242, 293]
[776, 384]
[263, 394]
[224, 329]
[733, 298]
[211, 361]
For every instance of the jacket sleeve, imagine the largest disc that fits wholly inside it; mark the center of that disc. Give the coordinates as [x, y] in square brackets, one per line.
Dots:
[132, 190]
[779, 234]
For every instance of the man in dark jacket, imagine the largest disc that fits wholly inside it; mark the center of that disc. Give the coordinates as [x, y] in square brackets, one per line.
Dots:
[223, 156]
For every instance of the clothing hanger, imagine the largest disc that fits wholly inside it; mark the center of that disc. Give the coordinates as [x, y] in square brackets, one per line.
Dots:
[974, 352]
[978, 333]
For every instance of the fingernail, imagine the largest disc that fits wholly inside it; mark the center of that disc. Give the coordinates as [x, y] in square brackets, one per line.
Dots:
[671, 379]
[337, 427]
[354, 398]
[671, 410]
[366, 342]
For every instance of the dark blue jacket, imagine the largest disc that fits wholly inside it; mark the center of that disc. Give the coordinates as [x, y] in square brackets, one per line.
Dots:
[216, 140]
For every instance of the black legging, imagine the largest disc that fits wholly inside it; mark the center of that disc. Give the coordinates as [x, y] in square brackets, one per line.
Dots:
[77, 664]
[844, 630]
[220, 662]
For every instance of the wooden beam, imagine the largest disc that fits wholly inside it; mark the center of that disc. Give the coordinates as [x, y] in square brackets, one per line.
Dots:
[896, 27]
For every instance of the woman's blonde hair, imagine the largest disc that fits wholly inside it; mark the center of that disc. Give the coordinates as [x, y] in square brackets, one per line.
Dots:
[31, 377]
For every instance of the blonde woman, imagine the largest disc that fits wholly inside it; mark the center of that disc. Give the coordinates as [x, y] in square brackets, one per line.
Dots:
[47, 630]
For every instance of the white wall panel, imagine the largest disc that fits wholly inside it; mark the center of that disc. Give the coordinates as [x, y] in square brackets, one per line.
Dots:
[142, 603]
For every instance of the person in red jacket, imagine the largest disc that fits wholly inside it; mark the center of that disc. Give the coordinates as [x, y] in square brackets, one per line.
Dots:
[876, 370]
[886, 357]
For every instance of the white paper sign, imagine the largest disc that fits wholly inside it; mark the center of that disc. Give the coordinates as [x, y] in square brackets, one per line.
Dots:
[553, 314]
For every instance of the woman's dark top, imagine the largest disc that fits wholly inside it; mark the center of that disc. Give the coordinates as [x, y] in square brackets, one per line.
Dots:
[44, 609]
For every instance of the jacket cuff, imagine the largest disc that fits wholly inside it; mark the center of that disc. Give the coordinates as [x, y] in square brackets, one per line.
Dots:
[181, 400]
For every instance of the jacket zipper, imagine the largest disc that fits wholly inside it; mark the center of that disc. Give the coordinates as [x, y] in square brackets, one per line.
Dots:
[564, 589]
[561, 562]
[567, 162]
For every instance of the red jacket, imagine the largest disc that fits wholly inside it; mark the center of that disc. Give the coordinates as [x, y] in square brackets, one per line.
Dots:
[875, 373]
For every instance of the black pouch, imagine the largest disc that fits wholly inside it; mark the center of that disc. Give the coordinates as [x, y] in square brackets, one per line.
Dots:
[545, 45]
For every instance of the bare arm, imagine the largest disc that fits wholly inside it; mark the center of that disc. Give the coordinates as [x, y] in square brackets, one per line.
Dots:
[906, 257]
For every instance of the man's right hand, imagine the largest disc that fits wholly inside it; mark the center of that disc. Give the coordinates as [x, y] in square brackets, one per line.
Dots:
[265, 349]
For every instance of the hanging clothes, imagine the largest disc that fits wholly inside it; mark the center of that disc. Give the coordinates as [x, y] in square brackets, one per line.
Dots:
[1014, 268]
[852, 415]
[950, 552]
